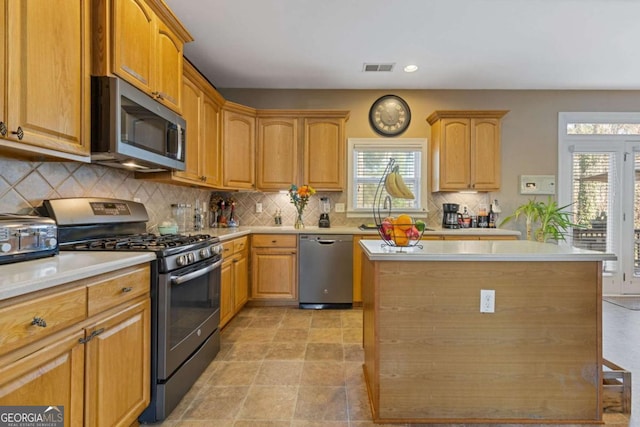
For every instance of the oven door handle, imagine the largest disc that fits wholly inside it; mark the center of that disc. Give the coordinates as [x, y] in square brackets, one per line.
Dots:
[178, 280]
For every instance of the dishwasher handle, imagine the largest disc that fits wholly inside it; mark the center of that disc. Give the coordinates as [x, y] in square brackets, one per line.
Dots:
[326, 242]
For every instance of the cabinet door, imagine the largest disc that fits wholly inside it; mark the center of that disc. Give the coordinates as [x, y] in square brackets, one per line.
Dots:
[485, 154]
[210, 145]
[239, 150]
[48, 76]
[455, 154]
[51, 376]
[167, 84]
[273, 274]
[227, 303]
[240, 281]
[191, 105]
[133, 38]
[118, 367]
[277, 153]
[3, 71]
[324, 154]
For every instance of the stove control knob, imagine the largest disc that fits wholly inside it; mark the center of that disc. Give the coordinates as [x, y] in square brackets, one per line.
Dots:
[181, 260]
[216, 249]
[5, 247]
[204, 253]
[191, 257]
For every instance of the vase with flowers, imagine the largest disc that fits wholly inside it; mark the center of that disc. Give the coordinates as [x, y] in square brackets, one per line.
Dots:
[299, 196]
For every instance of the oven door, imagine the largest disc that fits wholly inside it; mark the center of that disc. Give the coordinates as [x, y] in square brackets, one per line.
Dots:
[188, 312]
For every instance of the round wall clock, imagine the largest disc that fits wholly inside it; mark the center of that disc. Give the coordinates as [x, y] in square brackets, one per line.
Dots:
[389, 115]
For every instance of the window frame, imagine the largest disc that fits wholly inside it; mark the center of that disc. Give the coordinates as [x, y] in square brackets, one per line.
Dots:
[420, 144]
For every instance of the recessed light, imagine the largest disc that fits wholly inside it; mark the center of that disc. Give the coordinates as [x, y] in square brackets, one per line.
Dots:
[410, 68]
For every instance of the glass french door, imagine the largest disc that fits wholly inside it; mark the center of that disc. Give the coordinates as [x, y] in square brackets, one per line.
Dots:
[600, 177]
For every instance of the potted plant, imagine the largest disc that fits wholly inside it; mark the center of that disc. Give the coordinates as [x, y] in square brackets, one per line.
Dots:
[552, 220]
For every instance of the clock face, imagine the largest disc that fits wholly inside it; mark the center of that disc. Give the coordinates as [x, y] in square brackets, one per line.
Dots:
[389, 115]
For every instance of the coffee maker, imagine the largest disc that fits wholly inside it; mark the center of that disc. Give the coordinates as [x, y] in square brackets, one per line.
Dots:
[325, 208]
[450, 215]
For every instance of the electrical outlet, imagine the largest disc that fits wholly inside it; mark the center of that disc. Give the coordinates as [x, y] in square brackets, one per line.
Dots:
[339, 207]
[258, 207]
[487, 301]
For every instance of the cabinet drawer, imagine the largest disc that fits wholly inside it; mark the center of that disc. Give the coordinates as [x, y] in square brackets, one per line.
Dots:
[26, 322]
[115, 289]
[239, 244]
[227, 249]
[275, 240]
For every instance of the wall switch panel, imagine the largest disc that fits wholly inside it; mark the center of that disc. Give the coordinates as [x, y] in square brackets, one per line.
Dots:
[487, 301]
[339, 207]
[258, 207]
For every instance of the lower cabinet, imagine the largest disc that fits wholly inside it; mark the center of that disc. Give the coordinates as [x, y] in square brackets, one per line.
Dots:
[98, 369]
[234, 287]
[274, 268]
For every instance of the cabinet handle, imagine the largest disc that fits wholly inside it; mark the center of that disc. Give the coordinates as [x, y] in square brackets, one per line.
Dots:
[127, 289]
[18, 132]
[3, 129]
[39, 321]
[91, 336]
[274, 241]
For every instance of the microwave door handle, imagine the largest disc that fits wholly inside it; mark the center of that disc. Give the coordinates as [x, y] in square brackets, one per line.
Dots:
[178, 280]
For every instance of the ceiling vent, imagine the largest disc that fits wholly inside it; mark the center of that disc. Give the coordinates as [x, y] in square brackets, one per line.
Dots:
[377, 67]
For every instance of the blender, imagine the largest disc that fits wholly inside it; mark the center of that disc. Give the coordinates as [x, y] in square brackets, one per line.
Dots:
[325, 208]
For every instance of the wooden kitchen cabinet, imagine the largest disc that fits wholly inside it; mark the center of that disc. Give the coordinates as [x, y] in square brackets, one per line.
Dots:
[238, 146]
[314, 156]
[465, 150]
[98, 365]
[325, 153]
[50, 376]
[45, 80]
[118, 366]
[234, 287]
[274, 268]
[277, 153]
[201, 108]
[142, 42]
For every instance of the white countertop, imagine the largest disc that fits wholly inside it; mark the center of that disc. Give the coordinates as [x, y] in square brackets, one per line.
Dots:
[29, 276]
[233, 232]
[481, 250]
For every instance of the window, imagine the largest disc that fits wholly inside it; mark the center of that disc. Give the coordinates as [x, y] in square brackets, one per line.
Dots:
[368, 159]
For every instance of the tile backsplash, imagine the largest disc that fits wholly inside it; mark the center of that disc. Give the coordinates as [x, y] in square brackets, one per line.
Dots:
[23, 186]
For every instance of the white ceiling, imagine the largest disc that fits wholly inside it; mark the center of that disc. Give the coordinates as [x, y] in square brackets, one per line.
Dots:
[458, 44]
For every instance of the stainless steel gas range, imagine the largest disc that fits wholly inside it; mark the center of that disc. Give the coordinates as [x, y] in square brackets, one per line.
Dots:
[185, 288]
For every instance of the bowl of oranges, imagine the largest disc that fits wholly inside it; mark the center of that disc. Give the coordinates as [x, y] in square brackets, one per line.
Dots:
[401, 231]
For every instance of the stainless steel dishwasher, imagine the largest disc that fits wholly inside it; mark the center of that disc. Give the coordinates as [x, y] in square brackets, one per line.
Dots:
[325, 271]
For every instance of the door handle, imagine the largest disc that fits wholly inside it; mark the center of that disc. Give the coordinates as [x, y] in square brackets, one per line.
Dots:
[326, 242]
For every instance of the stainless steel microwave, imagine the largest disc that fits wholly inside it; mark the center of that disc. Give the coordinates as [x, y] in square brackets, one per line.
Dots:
[129, 129]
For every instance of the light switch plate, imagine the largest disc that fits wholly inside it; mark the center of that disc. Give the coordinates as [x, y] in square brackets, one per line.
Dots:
[537, 184]
[339, 207]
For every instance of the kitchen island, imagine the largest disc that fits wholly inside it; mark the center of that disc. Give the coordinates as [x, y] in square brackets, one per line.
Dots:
[432, 356]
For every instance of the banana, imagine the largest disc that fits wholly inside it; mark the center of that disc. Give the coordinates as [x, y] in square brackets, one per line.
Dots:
[391, 187]
[395, 186]
[404, 190]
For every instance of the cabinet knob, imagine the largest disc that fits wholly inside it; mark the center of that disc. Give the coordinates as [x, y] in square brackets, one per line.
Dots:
[127, 289]
[39, 321]
[19, 133]
[3, 129]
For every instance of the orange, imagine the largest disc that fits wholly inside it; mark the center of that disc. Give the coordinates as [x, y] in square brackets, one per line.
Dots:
[399, 236]
[404, 222]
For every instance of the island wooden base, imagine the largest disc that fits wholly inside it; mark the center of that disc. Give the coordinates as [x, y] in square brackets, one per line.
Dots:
[432, 357]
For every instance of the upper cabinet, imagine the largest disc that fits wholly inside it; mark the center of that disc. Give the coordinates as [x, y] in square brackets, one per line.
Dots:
[314, 155]
[465, 150]
[46, 78]
[238, 146]
[142, 42]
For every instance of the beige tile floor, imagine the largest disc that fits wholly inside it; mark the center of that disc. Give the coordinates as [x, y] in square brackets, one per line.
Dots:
[286, 367]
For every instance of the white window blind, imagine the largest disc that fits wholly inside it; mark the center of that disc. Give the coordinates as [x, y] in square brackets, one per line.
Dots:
[369, 159]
